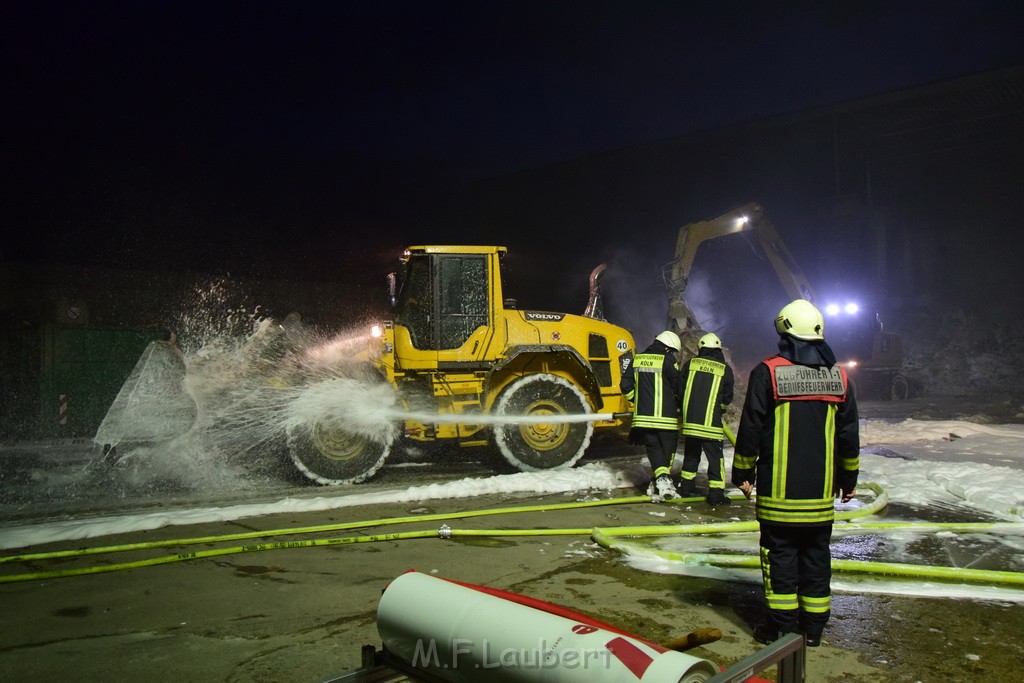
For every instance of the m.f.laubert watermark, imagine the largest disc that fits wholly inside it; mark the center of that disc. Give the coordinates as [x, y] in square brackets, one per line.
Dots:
[466, 652]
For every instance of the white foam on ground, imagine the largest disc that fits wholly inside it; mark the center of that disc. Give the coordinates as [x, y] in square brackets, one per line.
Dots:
[840, 583]
[588, 478]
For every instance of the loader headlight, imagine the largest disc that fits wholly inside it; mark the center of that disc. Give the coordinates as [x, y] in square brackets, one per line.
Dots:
[376, 331]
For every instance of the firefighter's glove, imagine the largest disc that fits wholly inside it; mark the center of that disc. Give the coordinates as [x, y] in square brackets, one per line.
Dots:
[636, 437]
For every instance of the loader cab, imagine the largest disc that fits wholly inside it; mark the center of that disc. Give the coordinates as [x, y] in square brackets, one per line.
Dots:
[445, 302]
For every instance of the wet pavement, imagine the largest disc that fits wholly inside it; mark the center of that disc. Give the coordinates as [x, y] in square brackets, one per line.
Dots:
[302, 614]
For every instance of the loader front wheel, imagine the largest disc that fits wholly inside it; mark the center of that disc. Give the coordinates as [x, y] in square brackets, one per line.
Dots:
[533, 443]
[330, 455]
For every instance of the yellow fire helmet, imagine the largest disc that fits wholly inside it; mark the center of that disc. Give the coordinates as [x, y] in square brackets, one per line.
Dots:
[802, 320]
[710, 341]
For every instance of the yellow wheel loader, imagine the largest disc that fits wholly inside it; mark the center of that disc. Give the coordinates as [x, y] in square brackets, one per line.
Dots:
[468, 368]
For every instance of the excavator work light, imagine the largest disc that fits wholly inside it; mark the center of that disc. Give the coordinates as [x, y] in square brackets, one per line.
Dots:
[850, 308]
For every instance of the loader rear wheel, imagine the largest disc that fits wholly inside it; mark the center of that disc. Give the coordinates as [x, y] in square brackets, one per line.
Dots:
[330, 455]
[900, 388]
[539, 445]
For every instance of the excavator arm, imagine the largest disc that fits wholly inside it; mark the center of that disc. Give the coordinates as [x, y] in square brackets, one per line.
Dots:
[883, 359]
[750, 218]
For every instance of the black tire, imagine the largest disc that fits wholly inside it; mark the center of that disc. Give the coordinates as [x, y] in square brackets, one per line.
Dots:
[329, 455]
[542, 446]
[900, 390]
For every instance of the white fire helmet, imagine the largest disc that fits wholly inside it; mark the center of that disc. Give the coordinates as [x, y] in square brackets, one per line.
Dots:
[670, 339]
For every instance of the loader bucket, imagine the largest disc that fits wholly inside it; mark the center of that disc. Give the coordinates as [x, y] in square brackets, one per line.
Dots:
[152, 404]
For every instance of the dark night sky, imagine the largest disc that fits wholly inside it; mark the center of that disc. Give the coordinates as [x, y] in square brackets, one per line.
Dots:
[298, 137]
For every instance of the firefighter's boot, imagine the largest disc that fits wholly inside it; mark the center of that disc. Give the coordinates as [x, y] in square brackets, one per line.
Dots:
[664, 488]
[718, 497]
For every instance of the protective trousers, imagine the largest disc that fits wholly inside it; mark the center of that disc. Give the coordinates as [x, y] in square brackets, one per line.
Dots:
[661, 449]
[692, 449]
[796, 566]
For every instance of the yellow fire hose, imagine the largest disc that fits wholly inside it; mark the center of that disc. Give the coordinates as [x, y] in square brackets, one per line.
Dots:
[881, 500]
[607, 537]
[323, 528]
[181, 557]
[960, 574]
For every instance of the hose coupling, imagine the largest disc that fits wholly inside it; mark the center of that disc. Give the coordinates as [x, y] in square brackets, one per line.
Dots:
[445, 531]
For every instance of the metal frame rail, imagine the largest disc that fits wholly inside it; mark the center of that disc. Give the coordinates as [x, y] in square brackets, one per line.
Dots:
[380, 666]
[788, 652]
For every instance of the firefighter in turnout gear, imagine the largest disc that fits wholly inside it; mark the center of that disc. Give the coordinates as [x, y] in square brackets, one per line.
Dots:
[707, 382]
[799, 442]
[651, 382]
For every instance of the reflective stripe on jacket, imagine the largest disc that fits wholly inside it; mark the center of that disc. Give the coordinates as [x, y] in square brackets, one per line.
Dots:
[800, 448]
[651, 384]
[709, 387]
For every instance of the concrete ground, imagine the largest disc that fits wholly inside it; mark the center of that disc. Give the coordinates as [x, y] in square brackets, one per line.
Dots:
[302, 614]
